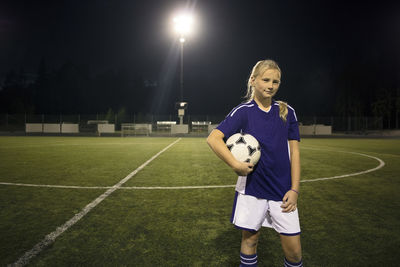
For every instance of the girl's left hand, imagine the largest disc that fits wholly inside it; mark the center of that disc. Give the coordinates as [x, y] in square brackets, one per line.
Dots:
[289, 201]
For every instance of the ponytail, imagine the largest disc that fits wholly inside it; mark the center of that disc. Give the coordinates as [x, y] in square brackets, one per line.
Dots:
[283, 110]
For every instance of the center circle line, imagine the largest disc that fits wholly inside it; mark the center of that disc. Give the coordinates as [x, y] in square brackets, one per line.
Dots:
[379, 166]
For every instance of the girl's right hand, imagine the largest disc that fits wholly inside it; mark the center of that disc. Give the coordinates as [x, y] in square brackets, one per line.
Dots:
[243, 168]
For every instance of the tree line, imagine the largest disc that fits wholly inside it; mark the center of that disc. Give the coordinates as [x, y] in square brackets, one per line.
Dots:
[351, 91]
[72, 89]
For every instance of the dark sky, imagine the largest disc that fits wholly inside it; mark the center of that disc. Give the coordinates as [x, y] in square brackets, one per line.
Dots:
[313, 42]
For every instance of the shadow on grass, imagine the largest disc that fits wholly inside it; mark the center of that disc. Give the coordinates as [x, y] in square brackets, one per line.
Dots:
[227, 246]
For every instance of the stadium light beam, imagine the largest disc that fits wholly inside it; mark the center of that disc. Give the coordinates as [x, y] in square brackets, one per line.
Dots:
[183, 25]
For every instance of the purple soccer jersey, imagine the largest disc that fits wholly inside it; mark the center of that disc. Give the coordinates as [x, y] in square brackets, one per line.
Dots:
[271, 177]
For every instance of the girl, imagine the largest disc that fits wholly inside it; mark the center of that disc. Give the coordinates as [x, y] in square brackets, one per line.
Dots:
[266, 194]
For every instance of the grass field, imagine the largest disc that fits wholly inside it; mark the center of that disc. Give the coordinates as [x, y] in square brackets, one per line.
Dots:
[349, 221]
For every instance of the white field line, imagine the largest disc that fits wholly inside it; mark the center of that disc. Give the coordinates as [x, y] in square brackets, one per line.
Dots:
[108, 187]
[57, 186]
[74, 144]
[175, 187]
[50, 238]
[381, 164]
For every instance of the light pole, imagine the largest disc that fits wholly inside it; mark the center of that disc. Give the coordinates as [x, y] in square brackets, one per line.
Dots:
[183, 26]
[181, 40]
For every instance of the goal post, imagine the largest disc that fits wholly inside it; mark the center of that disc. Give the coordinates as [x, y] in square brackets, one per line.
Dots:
[134, 129]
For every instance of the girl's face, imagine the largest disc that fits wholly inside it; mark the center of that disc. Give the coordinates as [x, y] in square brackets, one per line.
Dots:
[266, 84]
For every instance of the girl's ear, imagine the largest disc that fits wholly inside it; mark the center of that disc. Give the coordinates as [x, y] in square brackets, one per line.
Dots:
[252, 79]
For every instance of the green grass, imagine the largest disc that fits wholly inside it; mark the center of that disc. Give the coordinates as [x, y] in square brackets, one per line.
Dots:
[352, 221]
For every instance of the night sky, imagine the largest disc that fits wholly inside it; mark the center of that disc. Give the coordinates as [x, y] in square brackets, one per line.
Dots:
[325, 48]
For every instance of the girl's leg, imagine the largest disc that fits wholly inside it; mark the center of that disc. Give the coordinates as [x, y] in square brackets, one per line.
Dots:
[292, 248]
[249, 242]
[248, 249]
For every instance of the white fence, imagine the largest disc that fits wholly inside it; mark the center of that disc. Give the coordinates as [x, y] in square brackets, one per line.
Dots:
[316, 129]
[51, 128]
[69, 128]
[34, 127]
[163, 126]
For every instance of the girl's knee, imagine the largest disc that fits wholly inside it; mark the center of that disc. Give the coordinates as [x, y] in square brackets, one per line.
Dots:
[294, 257]
[293, 254]
[292, 248]
[250, 239]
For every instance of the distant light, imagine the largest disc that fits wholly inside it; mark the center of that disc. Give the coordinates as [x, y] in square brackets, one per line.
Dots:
[183, 24]
[181, 105]
[182, 40]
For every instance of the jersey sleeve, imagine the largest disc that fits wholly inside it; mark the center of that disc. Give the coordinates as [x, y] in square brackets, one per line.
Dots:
[293, 133]
[233, 123]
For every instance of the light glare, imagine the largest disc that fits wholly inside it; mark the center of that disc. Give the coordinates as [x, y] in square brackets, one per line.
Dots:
[183, 24]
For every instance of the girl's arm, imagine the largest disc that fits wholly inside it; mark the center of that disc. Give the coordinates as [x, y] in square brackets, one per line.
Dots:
[290, 198]
[217, 144]
[295, 164]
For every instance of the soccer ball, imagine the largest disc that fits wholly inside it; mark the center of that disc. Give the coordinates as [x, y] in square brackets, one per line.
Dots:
[244, 147]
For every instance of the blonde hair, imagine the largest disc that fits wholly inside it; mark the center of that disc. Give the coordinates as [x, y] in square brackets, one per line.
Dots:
[259, 68]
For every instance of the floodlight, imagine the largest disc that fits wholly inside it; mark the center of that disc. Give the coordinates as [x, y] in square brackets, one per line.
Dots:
[183, 24]
[181, 105]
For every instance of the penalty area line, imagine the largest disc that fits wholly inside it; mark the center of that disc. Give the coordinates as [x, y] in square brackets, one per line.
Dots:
[50, 238]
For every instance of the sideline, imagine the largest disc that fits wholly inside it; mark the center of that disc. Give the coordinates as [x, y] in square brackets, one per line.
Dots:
[50, 238]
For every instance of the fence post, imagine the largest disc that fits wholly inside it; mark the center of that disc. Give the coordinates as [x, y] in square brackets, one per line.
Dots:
[348, 123]
[25, 122]
[42, 123]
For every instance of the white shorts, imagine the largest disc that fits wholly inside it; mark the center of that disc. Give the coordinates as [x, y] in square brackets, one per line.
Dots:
[250, 213]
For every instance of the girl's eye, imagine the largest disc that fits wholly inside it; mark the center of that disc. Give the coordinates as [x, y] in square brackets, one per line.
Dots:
[266, 80]
[276, 82]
